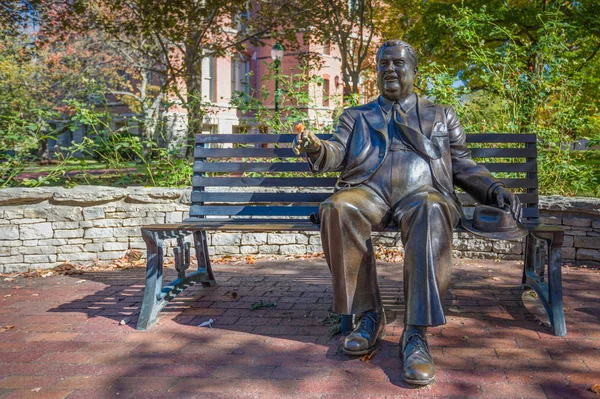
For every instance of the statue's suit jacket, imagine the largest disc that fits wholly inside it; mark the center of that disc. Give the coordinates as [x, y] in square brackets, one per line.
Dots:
[361, 143]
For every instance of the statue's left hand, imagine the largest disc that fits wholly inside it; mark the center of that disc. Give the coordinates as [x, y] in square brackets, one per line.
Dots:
[504, 198]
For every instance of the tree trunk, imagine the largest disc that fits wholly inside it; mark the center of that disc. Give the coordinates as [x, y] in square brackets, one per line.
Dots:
[194, 95]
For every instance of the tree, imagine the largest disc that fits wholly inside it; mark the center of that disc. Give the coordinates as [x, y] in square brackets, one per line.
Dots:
[179, 35]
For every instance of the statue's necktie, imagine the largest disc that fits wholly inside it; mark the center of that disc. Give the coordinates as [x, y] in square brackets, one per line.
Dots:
[415, 138]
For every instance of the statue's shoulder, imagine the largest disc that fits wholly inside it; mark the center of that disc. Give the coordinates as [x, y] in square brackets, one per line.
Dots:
[357, 110]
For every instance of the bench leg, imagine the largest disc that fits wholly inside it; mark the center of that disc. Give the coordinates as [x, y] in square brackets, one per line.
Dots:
[156, 297]
[154, 272]
[201, 245]
[549, 292]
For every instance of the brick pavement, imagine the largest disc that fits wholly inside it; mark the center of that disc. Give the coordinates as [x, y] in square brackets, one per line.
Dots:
[67, 341]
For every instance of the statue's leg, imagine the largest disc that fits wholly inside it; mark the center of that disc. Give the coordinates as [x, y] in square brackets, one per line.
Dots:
[426, 219]
[347, 219]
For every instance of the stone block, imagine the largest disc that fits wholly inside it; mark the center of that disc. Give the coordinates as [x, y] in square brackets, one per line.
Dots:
[39, 258]
[53, 242]
[174, 217]
[78, 233]
[226, 239]
[315, 240]
[70, 249]
[55, 213]
[12, 214]
[20, 195]
[93, 247]
[7, 260]
[269, 249]
[28, 221]
[127, 232]
[226, 249]
[596, 224]
[508, 247]
[568, 253]
[65, 225]
[579, 222]
[99, 232]
[80, 257]
[30, 243]
[41, 250]
[137, 245]
[568, 242]
[93, 213]
[107, 223]
[36, 231]
[88, 195]
[11, 243]
[254, 238]
[136, 222]
[111, 255]
[9, 233]
[248, 249]
[301, 239]
[292, 249]
[550, 220]
[14, 267]
[86, 224]
[5, 251]
[587, 242]
[588, 254]
[116, 246]
[281, 238]
[314, 248]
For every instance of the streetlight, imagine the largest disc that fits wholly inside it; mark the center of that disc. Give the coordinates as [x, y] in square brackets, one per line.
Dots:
[277, 56]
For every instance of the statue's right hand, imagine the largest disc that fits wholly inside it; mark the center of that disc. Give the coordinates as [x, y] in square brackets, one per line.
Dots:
[305, 141]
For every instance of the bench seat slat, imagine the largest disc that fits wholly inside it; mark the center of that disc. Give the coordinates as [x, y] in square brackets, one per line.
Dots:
[250, 138]
[240, 167]
[249, 152]
[199, 181]
[500, 138]
[204, 196]
[235, 210]
[520, 183]
[495, 167]
[503, 152]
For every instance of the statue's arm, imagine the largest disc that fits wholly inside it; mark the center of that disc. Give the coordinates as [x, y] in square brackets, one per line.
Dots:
[332, 153]
[473, 178]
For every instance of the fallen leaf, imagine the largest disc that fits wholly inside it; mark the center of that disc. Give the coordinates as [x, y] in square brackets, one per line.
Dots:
[125, 321]
[250, 260]
[368, 356]
[496, 278]
[234, 294]
[79, 281]
[36, 389]
[206, 323]
[6, 328]
[596, 389]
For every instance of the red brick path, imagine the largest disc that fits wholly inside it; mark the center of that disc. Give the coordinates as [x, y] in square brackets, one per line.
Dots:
[67, 340]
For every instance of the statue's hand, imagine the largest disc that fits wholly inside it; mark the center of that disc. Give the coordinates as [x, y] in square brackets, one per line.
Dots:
[305, 141]
[504, 198]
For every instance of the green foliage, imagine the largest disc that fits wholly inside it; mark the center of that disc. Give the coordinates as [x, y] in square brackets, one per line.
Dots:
[297, 94]
[519, 84]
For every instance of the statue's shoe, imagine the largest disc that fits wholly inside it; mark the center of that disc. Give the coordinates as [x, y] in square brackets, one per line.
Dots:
[417, 361]
[364, 337]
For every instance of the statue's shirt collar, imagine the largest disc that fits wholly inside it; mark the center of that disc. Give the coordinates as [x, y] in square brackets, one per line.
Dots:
[406, 104]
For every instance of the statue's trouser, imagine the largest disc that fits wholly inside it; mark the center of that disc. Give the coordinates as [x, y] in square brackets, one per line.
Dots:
[426, 219]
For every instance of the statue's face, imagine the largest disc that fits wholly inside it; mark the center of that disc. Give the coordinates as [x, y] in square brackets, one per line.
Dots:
[395, 73]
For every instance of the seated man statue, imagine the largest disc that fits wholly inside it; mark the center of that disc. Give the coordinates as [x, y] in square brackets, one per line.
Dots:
[400, 157]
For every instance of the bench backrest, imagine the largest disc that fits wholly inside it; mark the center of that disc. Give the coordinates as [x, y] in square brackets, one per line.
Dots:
[258, 176]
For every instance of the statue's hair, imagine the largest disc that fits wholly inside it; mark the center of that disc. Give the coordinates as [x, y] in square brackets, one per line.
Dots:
[399, 43]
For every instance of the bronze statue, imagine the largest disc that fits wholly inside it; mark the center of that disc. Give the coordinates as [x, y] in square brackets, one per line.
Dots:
[400, 157]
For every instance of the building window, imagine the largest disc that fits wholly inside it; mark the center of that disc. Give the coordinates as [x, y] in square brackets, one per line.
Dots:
[327, 47]
[240, 79]
[326, 92]
[208, 79]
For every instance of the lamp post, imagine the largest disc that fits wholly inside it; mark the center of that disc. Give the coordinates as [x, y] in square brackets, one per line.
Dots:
[277, 56]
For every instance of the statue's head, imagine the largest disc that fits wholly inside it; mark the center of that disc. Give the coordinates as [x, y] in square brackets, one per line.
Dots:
[396, 69]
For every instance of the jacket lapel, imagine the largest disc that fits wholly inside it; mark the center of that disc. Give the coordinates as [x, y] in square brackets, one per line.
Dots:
[375, 120]
[427, 116]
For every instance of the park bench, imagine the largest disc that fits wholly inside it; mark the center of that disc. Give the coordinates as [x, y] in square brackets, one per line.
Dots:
[255, 183]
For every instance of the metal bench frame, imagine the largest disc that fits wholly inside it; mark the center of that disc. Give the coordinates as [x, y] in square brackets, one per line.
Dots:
[216, 208]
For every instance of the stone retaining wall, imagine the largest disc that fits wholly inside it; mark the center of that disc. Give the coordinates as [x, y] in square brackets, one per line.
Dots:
[44, 227]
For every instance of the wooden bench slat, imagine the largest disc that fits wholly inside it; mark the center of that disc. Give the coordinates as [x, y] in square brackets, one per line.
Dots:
[240, 167]
[250, 138]
[525, 198]
[520, 183]
[247, 210]
[503, 152]
[204, 196]
[244, 153]
[500, 138]
[495, 167]
[199, 181]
